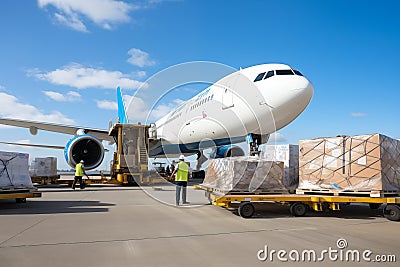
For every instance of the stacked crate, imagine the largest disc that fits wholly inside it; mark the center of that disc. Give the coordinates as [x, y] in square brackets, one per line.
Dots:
[245, 174]
[350, 163]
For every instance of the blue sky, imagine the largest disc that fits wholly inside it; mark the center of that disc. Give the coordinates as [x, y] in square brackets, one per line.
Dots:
[62, 60]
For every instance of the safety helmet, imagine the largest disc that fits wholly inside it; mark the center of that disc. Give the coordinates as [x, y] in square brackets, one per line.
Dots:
[82, 161]
[181, 157]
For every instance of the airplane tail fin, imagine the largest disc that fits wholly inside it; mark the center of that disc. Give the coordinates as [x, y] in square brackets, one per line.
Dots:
[122, 118]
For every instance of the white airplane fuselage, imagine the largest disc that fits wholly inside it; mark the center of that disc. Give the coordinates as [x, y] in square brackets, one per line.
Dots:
[246, 101]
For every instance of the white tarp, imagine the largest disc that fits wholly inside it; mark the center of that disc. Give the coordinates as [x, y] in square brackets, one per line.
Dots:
[289, 155]
[45, 167]
[14, 170]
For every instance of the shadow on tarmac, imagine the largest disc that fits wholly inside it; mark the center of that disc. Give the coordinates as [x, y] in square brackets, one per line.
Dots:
[9, 207]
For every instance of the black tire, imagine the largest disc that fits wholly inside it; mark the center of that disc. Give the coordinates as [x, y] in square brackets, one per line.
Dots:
[392, 212]
[298, 209]
[374, 206]
[246, 210]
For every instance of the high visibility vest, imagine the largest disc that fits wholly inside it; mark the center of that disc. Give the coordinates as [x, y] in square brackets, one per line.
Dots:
[78, 169]
[183, 172]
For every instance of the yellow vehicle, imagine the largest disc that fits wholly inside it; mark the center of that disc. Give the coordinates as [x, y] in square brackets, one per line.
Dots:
[299, 204]
[20, 195]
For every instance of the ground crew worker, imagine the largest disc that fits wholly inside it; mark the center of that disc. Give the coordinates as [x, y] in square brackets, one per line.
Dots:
[181, 179]
[79, 171]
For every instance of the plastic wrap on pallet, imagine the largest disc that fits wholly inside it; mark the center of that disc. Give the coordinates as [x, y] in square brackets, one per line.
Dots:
[44, 167]
[245, 174]
[352, 163]
[289, 155]
[14, 170]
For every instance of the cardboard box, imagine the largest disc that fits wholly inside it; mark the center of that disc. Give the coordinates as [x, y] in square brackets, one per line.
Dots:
[244, 174]
[289, 155]
[14, 170]
[354, 163]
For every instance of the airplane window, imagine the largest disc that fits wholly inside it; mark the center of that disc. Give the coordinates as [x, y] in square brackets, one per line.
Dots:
[212, 96]
[284, 72]
[298, 72]
[269, 74]
[259, 77]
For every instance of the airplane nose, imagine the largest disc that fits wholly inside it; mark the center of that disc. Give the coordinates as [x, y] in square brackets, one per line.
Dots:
[304, 94]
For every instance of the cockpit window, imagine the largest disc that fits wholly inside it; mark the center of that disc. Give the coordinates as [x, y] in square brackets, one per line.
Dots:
[259, 77]
[284, 72]
[269, 74]
[297, 72]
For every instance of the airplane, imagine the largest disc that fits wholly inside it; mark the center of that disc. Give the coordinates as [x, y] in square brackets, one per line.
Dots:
[250, 103]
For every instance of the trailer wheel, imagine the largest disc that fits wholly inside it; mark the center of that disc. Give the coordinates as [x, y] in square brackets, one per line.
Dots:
[298, 209]
[392, 212]
[374, 206]
[246, 209]
[20, 200]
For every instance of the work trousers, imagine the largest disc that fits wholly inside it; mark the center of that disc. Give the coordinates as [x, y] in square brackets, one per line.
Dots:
[77, 179]
[179, 185]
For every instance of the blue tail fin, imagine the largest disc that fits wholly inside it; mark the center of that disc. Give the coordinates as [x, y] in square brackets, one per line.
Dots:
[121, 108]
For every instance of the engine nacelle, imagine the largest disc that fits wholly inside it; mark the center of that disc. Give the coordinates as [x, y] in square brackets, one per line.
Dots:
[228, 151]
[84, 147]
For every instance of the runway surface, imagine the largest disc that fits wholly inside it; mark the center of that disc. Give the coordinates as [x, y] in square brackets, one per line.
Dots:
[124, 226]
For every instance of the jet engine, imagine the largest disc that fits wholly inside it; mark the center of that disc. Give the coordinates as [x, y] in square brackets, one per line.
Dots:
[228, 151]
[84, 147]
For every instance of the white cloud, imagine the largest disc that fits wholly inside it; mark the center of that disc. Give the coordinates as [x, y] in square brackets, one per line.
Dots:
[104, 13]
[78, 76]
[2, 88]
[138, 110]
[71, 96]
[359, 114]
[276, 138]
[105, 104]
[139, 58]
[72, 22]
[139, 74]
[11, 107]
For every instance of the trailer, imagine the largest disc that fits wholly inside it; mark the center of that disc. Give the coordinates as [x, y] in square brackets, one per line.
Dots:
[20, 195]
[299, 204]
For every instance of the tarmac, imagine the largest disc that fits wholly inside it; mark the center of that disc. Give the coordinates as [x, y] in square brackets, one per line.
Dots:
[126, 226]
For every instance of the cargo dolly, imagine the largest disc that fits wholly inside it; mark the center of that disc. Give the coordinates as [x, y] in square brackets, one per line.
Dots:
[299, 204]
[20, 195]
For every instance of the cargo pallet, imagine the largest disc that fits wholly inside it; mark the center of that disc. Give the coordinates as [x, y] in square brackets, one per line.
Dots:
[299, 204]
[20, 195]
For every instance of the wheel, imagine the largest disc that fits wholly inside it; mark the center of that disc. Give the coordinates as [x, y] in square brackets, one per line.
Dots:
[298, 209]
[20, 200]
[392, 212]
[374, 206]
[246, 210]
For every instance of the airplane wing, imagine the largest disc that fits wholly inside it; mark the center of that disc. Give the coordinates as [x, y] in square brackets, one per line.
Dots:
[32, 145]
[36, 145]
[65, 129]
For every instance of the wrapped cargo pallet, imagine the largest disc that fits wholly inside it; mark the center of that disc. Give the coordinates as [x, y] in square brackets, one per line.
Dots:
[44, 167]
[244, 174]
[289, 155]
[14, 171]
[350, 163]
